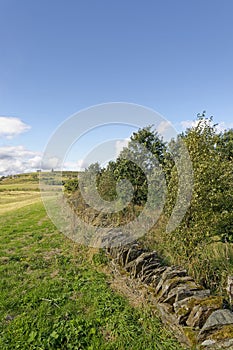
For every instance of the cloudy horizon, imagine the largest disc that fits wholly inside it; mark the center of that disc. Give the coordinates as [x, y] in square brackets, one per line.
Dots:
[17, 158]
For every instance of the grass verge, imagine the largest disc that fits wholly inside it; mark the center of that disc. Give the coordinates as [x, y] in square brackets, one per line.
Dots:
[53, 298]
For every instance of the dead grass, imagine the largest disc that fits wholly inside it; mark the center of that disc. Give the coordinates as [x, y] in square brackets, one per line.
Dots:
[9, 202]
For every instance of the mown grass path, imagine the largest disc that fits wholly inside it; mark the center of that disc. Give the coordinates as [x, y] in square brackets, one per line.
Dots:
[52, 296]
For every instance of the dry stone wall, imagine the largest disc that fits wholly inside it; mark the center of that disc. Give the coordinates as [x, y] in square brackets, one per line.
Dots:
[197, 317]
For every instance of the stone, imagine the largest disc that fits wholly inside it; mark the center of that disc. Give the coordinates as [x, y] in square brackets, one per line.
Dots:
[166, 313]
[169, 273]
[113, 240]
[134, 252]
[123, 255]
[183, 307]
[220, 343]
[150, 266]
[148, 276]
[182, 291]
[168, 317]
[155, 279]
[136, 266]
[208, 342]
[216, 322]
[217, 345]
[202, 293]
[202, 311]
[229, 288]
[170, 284]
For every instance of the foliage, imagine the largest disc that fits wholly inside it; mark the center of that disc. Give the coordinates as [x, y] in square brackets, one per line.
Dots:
[209, 214]
[145, 151]
[209, 218]
[71, 185]
[100, 258]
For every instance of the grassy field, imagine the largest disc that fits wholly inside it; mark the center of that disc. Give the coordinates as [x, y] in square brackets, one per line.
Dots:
[53, 296]
[18, 192]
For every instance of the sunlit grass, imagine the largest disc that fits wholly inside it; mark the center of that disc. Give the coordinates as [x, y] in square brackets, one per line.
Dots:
[52, 296]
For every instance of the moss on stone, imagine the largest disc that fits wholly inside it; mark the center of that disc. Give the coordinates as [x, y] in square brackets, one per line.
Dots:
[169, 284]
[208, 301]
[191, 334]
[183, 310]
[215, 301]
[224, 332]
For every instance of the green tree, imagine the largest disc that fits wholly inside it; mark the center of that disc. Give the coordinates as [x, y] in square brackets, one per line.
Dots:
[145, 151]
[209, 215]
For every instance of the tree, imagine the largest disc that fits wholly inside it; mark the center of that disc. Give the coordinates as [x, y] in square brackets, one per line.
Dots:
[209, 214]
[145, 152]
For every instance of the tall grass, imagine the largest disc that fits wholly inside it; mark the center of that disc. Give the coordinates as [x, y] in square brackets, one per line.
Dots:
[209, 263]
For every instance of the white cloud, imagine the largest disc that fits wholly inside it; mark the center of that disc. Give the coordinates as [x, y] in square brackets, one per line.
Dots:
[193, 123]
[222, 126]
[18, 159]
[166, 130]
[119, 145]
[189, 124]
[163, 127]
[75, 166]
[50, 162]
[10, 127]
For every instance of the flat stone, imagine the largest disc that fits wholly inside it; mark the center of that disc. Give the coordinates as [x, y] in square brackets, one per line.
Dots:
[203, 310]
[218, 319]
[210, 344]
[155, 279]
[134, 252]
[123, 255]
[168, 317]
[147, 277]
[198, 292]
[150, 266]
[169, 273]
[136, 266]
[169, 284]
[181, 292]
[183, 307]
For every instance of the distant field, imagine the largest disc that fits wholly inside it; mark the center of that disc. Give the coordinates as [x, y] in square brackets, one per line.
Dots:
[11, 200]
[52, 296]
[19, 186]
[18, 192]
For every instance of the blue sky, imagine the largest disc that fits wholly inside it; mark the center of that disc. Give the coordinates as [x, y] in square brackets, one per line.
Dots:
[58, 57]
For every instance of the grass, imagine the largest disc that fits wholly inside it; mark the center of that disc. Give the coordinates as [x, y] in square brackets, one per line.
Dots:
[210, 264]
[53, 297]
[18, 192]
[11, 200]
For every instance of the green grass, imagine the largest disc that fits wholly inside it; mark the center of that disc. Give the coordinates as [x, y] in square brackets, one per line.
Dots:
[52, 297]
